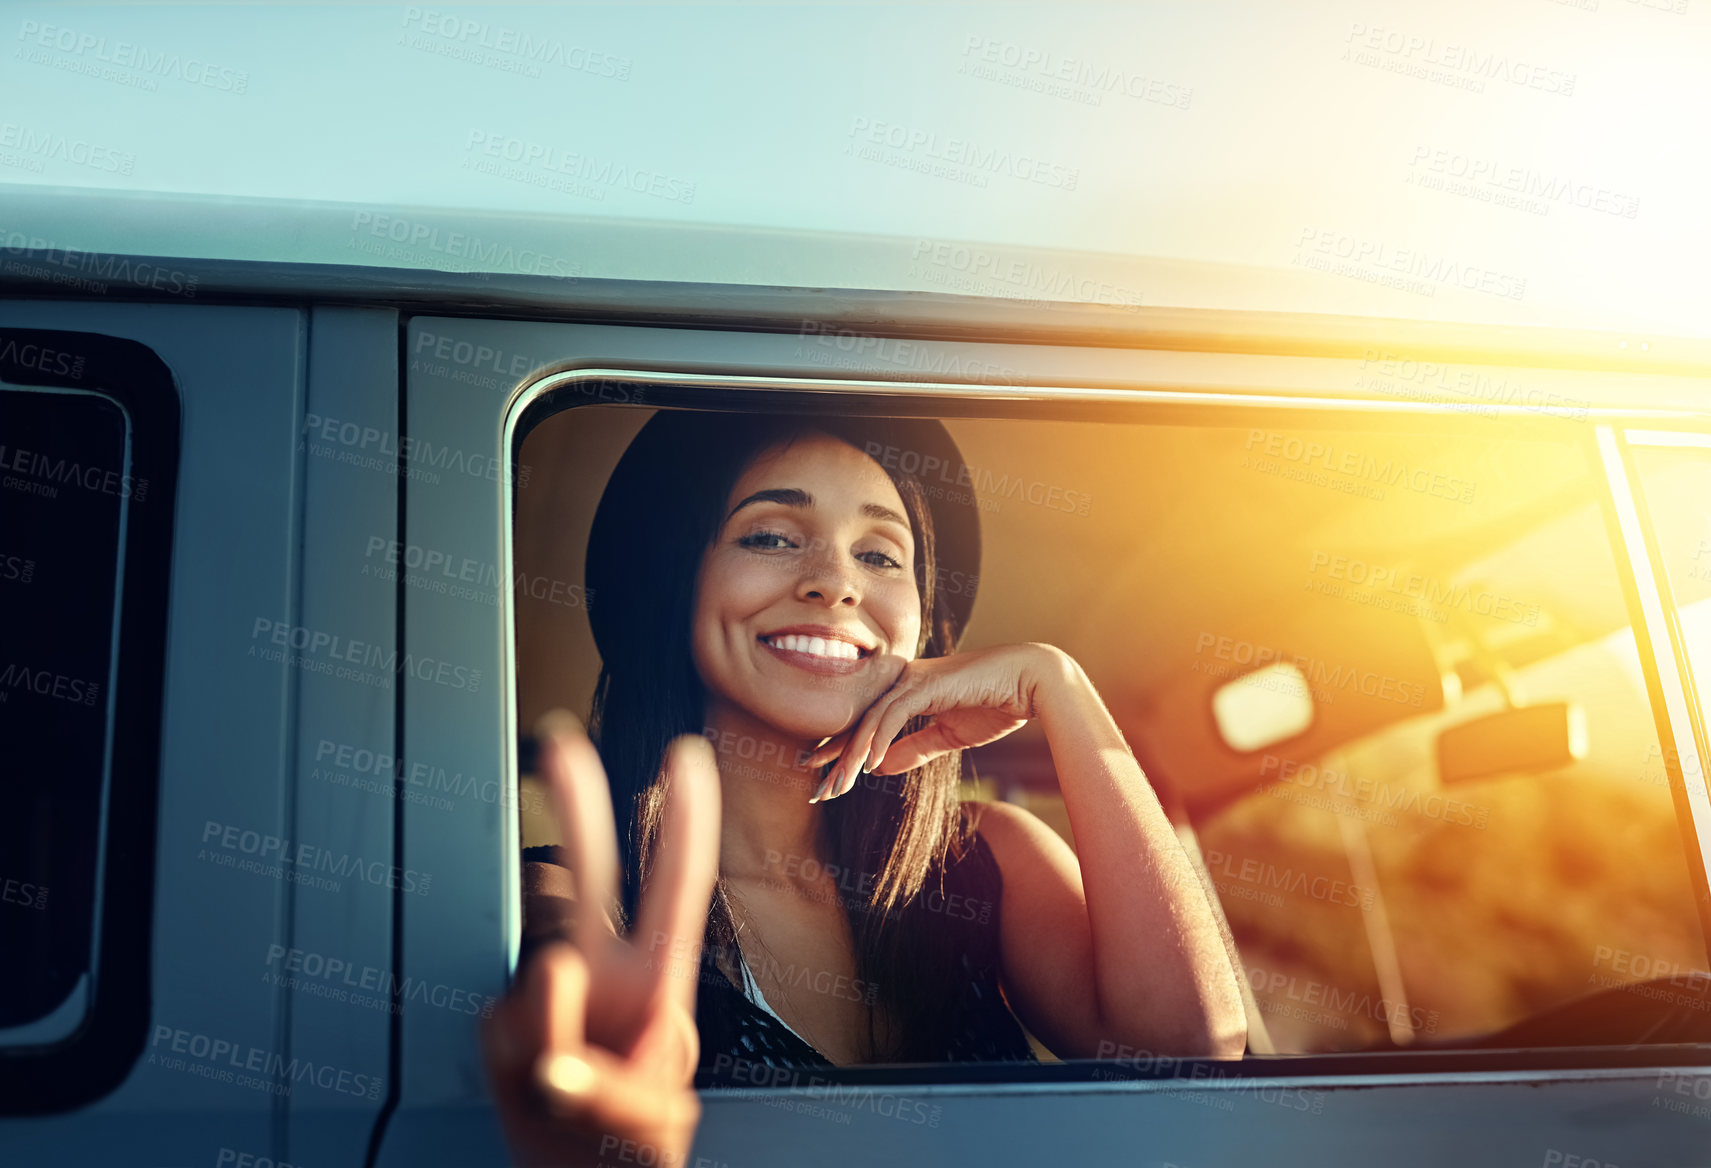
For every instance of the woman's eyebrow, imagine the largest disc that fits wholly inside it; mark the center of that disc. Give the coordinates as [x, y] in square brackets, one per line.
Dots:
[797, 498]
[875, 511]
[785, 496]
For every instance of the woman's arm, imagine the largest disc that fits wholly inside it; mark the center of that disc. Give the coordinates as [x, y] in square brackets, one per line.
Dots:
[1114, 944]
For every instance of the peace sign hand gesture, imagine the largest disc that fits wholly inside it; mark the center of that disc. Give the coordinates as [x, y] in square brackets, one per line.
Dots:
[596, 1045]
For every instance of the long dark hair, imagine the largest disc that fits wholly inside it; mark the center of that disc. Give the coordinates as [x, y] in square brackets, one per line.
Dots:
[661, 510]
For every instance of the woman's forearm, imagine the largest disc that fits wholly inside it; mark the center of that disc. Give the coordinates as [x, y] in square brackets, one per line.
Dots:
[1163, 979]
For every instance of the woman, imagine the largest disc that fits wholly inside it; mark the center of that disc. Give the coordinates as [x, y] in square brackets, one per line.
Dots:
[776, 587]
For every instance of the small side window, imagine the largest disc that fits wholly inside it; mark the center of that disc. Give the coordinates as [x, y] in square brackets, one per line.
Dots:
[88, 462]
[63, 537]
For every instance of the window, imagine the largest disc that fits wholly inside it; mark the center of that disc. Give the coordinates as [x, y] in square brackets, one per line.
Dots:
[1500, 862]
[88, 446]
[1438, 821]
[56, 680]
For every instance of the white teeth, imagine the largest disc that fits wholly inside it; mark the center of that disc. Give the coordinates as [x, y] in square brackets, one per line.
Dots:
[815, 646]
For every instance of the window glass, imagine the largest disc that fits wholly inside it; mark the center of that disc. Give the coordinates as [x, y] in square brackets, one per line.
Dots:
[63, 481]
[1500, 864]
[1446, 827]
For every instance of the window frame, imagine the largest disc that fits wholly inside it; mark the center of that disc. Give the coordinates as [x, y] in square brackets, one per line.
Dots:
[468, 372]
[1652, 603]
[551, 393]
[98, 1056]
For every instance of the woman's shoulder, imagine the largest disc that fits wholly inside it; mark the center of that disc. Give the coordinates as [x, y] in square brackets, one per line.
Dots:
[989, 840]
[1004, 828]
[1019, 844]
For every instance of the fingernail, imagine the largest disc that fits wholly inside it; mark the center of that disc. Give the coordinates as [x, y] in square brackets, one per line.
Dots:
[827, 785]
[566, 1078]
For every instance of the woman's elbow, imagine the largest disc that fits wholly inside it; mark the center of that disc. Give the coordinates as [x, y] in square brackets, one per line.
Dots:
[1230, 1039]
[1214, 1036]
[1226, 1027]
[1191, 1034]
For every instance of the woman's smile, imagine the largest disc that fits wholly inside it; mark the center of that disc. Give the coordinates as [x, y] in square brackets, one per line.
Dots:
[818, 648]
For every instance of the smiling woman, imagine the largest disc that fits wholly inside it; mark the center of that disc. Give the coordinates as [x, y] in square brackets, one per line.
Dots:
[771, 585]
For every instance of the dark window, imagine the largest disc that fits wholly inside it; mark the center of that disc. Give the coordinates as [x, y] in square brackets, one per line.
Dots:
[63, 488]
[89, 437]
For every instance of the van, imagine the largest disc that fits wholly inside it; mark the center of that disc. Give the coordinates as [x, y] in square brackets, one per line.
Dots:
[1405, 621]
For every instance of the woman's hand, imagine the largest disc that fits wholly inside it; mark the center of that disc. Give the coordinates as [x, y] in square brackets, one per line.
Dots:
[595, 1045]
[972, 698]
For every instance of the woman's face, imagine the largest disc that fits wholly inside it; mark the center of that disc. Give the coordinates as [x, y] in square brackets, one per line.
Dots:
[806, 608]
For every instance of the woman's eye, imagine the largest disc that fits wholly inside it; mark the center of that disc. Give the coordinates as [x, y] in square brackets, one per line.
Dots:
[768, 541]
[878, 560]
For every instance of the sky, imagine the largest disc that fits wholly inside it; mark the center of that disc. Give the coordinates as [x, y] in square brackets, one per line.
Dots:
[1512, 161]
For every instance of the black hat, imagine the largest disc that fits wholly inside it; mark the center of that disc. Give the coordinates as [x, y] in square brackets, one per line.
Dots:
[668, 491]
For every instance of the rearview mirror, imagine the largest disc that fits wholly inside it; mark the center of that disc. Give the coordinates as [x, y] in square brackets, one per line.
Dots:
[1263, 707]
[1522, 740]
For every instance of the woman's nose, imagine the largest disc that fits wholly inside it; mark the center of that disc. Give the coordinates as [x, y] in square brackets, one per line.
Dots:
[830, 578]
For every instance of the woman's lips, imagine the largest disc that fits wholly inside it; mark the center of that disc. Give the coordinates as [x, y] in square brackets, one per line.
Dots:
[815, 662]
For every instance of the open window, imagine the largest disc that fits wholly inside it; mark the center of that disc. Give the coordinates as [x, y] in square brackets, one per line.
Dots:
[1379, 664]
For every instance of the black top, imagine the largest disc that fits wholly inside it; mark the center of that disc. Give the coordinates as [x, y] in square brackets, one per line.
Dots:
[737, 1035]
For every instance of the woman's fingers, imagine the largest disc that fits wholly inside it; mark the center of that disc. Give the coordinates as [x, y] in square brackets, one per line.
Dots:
[565, 1102]
[909, 752]
[671, 922]
[576, 784]
[610, 1101]
[555, 999]
[541, 1017]
[828, 749]
[891, 723]
[850, 760]
[881, 724]
[613, 1099]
